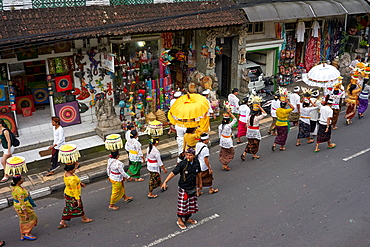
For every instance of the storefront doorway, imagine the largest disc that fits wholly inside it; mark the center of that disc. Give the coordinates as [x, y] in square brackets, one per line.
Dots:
[223, 65]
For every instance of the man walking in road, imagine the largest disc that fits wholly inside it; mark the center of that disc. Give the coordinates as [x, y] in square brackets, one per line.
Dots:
[59, 140]
[187, 204]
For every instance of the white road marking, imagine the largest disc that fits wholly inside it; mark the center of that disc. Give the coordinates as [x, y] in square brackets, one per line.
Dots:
[176, 233]
[356, 154]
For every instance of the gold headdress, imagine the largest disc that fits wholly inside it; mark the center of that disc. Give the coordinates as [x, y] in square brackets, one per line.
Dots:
[68, 153]
[113, 142]
[15, 165]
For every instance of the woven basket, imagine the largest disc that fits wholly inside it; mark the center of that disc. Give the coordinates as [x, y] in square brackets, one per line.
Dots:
[161, 116]
[150, 117]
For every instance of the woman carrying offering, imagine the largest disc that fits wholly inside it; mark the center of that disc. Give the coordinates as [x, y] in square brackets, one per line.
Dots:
[253, 133]
[116, 176]
[304, 122]
[353, 90]
[23, 206]
[136, 157]
[225, 133]
[282, 125]
[154, 165]
[244, 112]
[72, 195]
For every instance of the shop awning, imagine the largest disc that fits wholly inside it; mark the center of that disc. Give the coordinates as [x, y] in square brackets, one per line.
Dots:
[277, 11]
[263, 44]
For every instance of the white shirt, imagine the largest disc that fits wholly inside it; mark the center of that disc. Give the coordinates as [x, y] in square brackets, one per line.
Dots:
[315, 29]
[210, 110]
[354, 63]
[300, 31]
[336, 99]
[135, 146]
[115, 170]
[314, 115]
[365, 92]
[275, 104]
[305, 113]
[325, 113]
[234, 103]
[180, 131]
[127, 135]
[154, 155]
[172, 102]
[202, 155]
[295, 100]
[59, 138]
[244, 112]
[226, 131]
[255, 133]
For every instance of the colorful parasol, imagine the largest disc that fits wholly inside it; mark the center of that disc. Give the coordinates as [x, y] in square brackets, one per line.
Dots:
[322, 75]
[68, 153]
[188, 110]
[113, 142]
[15, 165]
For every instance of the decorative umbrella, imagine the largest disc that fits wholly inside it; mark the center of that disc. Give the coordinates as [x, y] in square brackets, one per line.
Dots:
[322, 75]
[188, 110]
[68, 153]
[15, 165]
[113, 142]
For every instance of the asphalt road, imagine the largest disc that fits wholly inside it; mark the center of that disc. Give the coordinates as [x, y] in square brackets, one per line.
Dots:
[286, 198]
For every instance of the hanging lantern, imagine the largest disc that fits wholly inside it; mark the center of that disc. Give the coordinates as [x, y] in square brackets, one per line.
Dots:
[68, 153]
[15, 165]
[155, 128]
[113, 142]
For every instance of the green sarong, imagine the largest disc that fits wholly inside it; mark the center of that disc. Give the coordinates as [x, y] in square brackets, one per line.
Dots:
[134, 169]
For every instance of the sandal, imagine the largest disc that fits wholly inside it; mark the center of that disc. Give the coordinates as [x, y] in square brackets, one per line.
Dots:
[30, 237]
[255, 157]
[182, 226]
[139, 179]
[333, 145]
[191, 221]
[213, 191]
[152, 197]
[4, 180]
[129, 200]
[242, 156]
[226, 168]
[273, 148]
[200, 193]
[298, 144]
[316, 151]
[311, 141]
[238, 142]
[62, 226]
[113, 208]
[2, 243]
[87, 221]
[282, 149]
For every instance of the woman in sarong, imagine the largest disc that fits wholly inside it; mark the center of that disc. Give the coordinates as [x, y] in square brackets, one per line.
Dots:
[117, 175]
[154, 165]
[23, 204]
[135, 156]
[353, 90]
[72, 195]
[304, 122]
[253, 133]
[226, 142]
[363, 98]
[282, 125]
[244, 112]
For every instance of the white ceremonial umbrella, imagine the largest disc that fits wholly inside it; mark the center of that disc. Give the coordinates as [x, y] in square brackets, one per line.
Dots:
[322, 75]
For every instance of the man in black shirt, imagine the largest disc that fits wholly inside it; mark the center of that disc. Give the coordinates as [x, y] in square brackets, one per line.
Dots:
[187, 204]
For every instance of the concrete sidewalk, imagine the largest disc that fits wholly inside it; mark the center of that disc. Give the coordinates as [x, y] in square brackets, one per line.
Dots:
[91, 169]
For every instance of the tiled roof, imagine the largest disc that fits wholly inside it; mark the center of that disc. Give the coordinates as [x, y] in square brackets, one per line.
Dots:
[86, 21]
